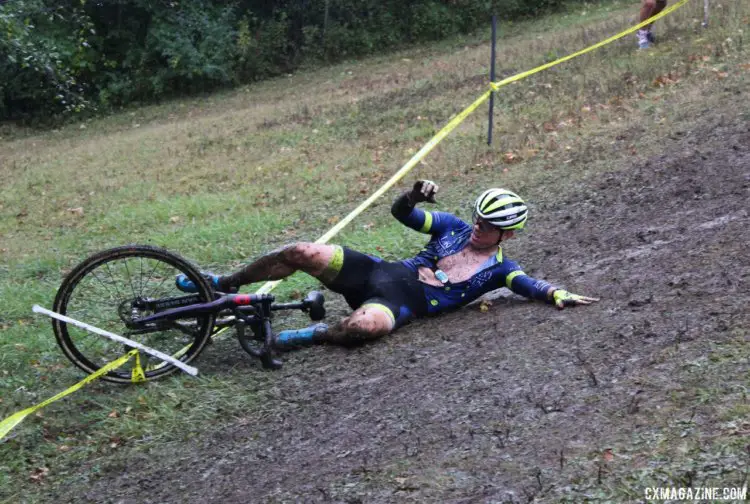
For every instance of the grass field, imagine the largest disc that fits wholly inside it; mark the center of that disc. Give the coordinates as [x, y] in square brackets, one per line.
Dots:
[223, 178]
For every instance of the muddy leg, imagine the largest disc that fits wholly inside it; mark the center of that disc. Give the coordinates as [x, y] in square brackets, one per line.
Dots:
[651, 8]
[312, 258]
[366, 323]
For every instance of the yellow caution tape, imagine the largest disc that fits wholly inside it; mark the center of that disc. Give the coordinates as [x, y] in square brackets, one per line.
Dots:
[136, 374]
[268, 286]
[16, 418]
[497, 85]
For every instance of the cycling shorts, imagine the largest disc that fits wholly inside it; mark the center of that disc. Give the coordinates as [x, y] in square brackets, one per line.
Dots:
[366, 280]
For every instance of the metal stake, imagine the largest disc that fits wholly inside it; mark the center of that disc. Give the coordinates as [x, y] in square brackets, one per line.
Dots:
[492, 78]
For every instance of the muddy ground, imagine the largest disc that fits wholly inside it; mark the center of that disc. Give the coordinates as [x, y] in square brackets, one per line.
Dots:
[488, 406]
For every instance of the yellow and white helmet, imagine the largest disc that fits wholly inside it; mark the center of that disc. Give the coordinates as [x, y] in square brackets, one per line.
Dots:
[501, 208]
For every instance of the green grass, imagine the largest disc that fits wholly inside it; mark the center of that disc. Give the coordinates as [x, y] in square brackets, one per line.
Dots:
[225, 178]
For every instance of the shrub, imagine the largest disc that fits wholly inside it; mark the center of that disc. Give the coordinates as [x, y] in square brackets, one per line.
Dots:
[64, 57]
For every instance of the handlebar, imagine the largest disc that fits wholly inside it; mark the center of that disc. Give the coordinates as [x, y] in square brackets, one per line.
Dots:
[288, 306]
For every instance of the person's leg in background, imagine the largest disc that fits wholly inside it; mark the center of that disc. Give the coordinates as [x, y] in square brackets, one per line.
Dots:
[649, 8]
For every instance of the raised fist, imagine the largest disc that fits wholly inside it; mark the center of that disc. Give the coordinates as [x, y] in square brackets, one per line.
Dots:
[423, 190]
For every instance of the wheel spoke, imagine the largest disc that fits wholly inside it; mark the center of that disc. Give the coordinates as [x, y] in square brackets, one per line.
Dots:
[117, 289]
[130, 278]
[151, 274]
[157, 289]
[140, 277]
[107, 292]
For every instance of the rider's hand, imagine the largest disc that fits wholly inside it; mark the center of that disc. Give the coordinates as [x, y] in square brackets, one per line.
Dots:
[563, 298]
[423, 190]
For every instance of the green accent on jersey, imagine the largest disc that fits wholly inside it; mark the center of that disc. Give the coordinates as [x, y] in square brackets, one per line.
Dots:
[511, 276]
[427, 222]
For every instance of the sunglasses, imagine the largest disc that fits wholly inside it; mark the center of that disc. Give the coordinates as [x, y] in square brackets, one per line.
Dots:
[484, 226]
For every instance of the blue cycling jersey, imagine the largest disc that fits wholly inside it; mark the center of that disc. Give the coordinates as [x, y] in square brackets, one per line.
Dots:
[449, 235]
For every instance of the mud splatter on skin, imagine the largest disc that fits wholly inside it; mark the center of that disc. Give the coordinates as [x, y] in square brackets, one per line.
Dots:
[365, 324]
[308, 257]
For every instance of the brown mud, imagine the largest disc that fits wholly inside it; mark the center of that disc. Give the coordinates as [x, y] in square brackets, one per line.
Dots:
[488, 406]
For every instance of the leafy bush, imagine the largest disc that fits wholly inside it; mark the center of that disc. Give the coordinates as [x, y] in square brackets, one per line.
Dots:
[262, 47]
[189, 48]
[64, 57]
[43, 55]
[433, 22]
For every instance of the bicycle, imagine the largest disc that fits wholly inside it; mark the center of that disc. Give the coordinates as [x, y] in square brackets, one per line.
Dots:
[130, 290]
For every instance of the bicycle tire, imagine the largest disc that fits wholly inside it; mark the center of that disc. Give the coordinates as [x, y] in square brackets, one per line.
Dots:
[82, 274]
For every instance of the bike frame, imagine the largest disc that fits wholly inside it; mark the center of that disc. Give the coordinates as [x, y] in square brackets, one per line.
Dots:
[253, 310]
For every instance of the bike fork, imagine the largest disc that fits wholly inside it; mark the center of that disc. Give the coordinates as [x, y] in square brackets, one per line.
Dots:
[266, 354]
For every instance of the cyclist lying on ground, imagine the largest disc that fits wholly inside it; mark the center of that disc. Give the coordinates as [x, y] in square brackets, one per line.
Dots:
[459, 263]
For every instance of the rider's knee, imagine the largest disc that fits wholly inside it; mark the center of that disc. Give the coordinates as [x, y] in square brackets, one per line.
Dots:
[359, 326]
[297, 254]
[364, 327]
[650, 4]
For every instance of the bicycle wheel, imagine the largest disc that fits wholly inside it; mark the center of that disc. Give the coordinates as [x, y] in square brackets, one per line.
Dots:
[105, 289]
